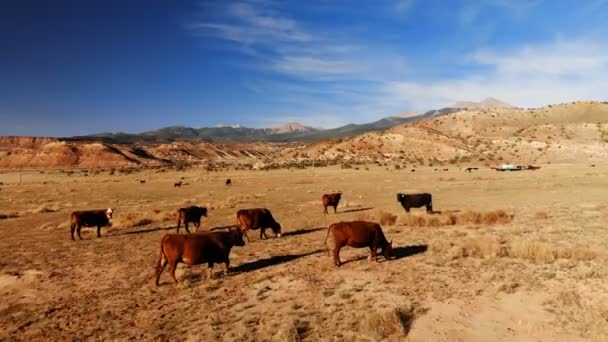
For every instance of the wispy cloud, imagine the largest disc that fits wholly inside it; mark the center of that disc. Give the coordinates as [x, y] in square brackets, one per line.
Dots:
[531, 76]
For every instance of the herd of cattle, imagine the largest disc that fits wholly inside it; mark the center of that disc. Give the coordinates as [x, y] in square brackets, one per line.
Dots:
[213, 247]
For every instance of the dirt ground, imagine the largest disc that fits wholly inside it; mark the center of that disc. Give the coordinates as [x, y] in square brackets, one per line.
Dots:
[541, 277]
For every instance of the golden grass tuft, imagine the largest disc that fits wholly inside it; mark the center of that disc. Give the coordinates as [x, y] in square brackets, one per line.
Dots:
[143, 218]
[395, 322]
[383, 217]
[536, 251]
[456, 218]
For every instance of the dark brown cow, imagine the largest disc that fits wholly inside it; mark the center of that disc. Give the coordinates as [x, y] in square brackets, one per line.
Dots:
[416, 201]
[195, 249]
[359, 234]
[258, 218]
[90, 218]
[142, 181]
[228, 182]
[331, 200]
[190, 214]
[178, 184]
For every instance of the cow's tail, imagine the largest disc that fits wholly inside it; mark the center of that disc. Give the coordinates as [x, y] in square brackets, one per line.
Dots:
[326, 237]
[163, 255]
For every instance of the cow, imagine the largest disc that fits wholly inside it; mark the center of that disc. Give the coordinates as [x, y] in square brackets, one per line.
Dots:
[469, 169]
[195, 249]
[413, 170]
[190, 214]
[228, 182]
[257, 218]
[142, 181]
[331, 200]
[359, 234]
[178, 184]
[90, 218]
[416, 201]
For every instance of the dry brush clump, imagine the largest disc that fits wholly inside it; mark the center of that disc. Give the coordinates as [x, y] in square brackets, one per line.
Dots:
[456, 218]
[536, 251]
[394, 322]
[143, 217]
[380, 216]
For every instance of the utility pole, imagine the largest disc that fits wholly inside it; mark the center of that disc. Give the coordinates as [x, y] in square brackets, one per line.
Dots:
[20, 172]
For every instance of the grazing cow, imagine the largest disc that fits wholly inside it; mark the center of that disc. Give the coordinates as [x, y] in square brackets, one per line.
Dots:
[446, 169]
[258, 218]
[228, 182]
[178, 184]
[413, 170]
[196, 249]
[331, 200]
[90, 218]
[190, 214]
[142, 181]
[359, 234]
[416, 201]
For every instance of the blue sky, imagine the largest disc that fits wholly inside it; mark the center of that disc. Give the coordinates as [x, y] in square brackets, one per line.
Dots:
[82, 67]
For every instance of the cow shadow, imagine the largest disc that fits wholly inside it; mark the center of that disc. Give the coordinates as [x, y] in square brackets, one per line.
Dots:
[407, 251]
[272, 261]
[303, 231]
[354, 210]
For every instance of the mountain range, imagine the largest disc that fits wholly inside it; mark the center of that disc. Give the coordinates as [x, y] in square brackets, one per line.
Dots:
[290, 132]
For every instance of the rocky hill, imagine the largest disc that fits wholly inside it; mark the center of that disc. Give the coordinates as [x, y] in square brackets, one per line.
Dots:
[568, 133]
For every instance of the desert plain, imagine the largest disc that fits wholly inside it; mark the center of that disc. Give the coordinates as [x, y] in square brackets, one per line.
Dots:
[509, 256]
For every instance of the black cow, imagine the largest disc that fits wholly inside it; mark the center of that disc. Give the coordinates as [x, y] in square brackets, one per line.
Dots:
[416, 201]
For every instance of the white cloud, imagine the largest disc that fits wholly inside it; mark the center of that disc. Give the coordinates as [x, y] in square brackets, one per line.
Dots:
[532, 76]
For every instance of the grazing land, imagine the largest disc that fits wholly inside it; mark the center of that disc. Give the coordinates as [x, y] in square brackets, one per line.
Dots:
[513, 256]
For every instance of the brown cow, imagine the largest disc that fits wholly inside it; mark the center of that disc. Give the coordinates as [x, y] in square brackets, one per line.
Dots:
[90, 218]
[178, 184]
[228, 182]
[190, 214]
[258, 218]
[331, 200]
[142, 181]
[359, 234]
[196, 249]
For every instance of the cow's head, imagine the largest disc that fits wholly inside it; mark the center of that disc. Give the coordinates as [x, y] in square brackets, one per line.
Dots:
[109, 213]
[400, 196]
[237, 236]
[276, 229]
[204, 211]
[387, 251]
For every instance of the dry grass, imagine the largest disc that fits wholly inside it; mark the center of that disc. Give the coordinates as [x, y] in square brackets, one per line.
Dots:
[456, 218]
[395, 322]
[383, 217]
[541, 215]
[536, 251]
[143, 218]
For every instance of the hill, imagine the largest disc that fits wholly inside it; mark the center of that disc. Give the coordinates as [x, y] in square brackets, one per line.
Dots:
[569, 133]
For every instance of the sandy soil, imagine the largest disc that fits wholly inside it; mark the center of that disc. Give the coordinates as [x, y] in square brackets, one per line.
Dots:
[541, 277]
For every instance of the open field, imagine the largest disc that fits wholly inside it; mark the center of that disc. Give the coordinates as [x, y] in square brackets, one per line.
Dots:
[534, 268]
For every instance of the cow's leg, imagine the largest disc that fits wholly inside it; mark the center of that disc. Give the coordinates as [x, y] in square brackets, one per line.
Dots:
[210, 270]
[197, 225]
[179, 221]
[335, 209]
[245, 234]
[262, 233]
[227, 266]
[186, 226]
[325, 209]
[172, 268]
[98, 231]
[374, 249]
[162, 263]
[337, 255]
[72, 229]
[407, 209]
[429, 208]
[78, 227]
